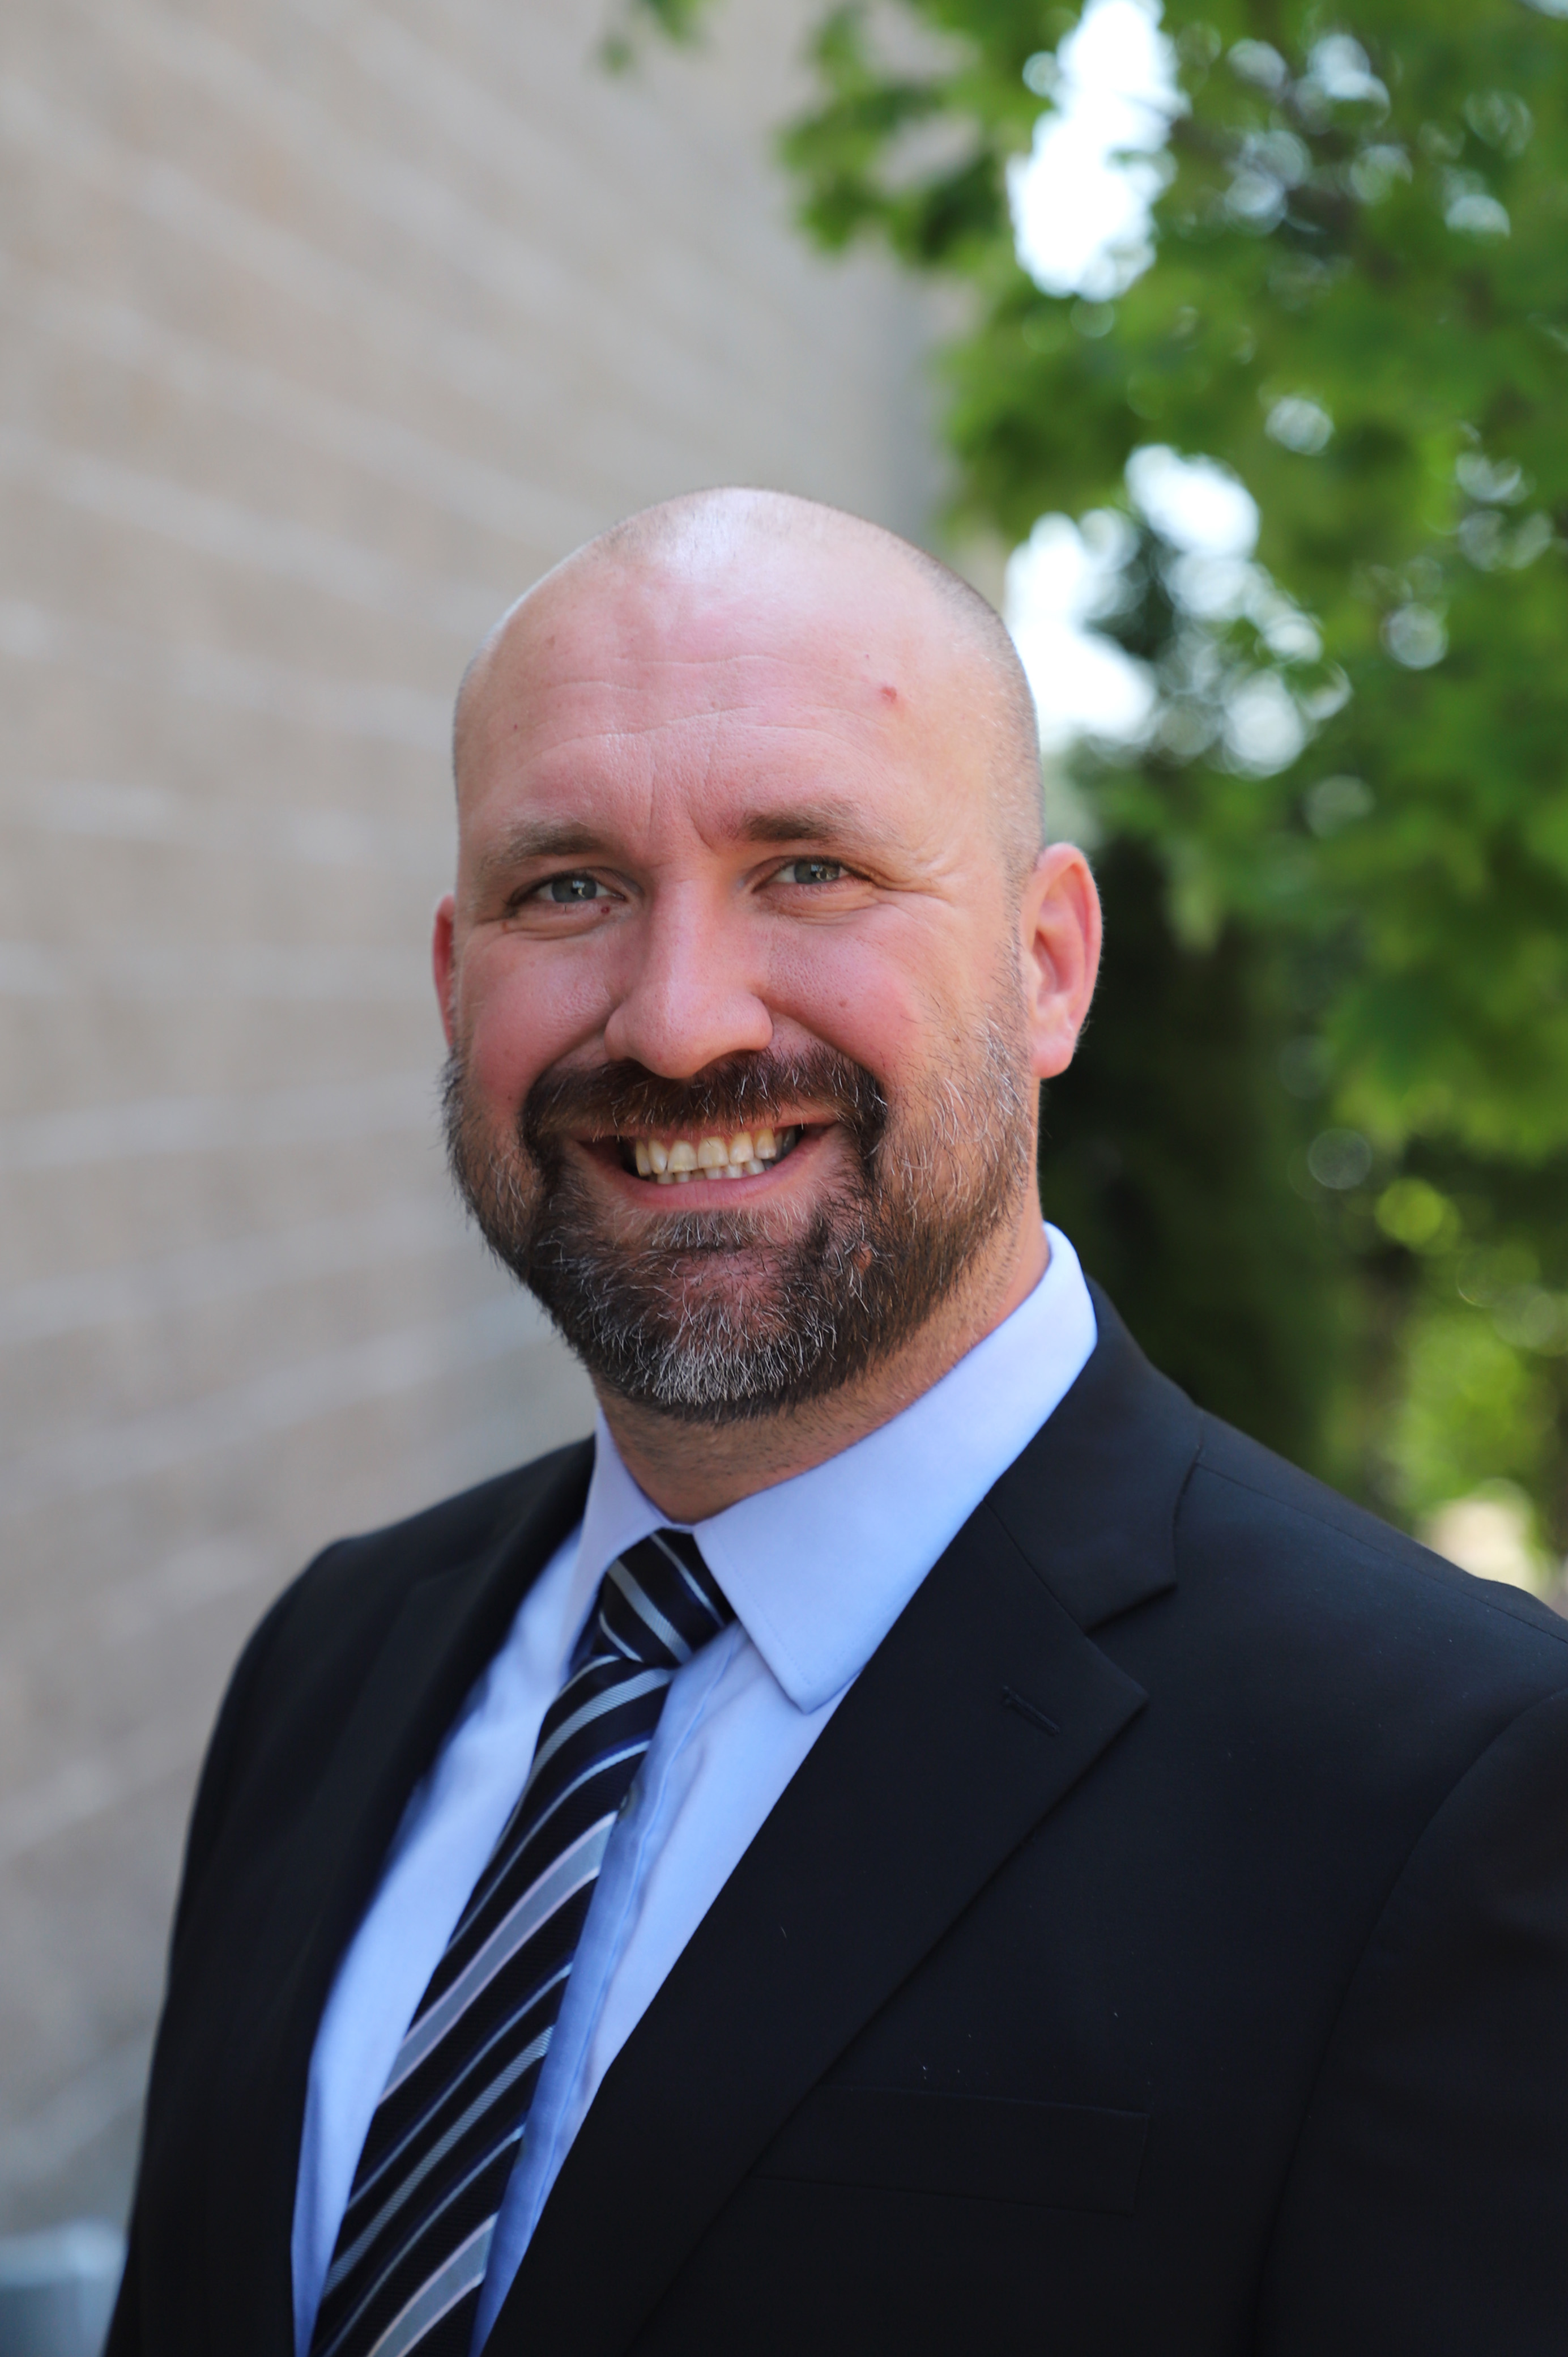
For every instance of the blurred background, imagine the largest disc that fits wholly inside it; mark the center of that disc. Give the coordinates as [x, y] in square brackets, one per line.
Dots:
[1225, 346]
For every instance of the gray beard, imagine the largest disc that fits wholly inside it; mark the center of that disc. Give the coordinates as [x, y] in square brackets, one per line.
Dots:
[721, 1317]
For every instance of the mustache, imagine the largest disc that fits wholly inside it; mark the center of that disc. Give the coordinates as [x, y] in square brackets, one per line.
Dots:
[737, 1093]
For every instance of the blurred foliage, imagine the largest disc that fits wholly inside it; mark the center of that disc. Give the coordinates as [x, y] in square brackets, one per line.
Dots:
[1170, 1172]
[1327, 1089]
[675, 20]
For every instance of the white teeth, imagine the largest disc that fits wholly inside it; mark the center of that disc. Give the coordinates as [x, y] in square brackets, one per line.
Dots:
[745, 1155]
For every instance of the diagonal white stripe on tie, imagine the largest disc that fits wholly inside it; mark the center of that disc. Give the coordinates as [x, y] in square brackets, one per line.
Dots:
[437, 2153]
[647, 1612]
[462, 2272]
[645, 1682]
[561, 1880]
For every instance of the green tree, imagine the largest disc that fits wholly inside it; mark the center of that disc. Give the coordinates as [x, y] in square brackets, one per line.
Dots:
[1353, 1135]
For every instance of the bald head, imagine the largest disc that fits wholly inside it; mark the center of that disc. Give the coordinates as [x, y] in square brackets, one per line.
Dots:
[765, 556]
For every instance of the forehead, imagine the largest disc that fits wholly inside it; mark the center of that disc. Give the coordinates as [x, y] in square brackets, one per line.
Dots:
[711, 697]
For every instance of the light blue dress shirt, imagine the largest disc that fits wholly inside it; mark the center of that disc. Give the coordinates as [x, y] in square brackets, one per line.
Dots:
[818, 1569]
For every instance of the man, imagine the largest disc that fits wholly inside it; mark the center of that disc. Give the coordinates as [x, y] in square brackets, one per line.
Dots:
[915, 1838]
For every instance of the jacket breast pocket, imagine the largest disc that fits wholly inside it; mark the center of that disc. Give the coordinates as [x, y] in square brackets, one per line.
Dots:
[1052, 2156]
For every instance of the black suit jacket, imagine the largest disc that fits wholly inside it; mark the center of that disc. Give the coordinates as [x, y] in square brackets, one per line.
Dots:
[1164, 1947]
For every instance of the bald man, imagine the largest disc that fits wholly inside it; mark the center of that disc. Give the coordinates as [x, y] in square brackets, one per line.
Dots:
[912, 1837]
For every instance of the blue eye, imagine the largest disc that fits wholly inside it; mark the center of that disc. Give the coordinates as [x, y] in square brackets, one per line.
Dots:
[812, 871]
[567, 891]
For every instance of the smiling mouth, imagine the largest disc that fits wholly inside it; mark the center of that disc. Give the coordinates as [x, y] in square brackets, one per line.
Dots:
[674, 1161]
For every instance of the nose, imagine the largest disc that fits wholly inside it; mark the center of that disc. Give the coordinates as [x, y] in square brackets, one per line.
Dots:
[690, 997]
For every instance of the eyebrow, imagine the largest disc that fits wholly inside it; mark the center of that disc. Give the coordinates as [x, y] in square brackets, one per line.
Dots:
[538, 839]
[803, 822]
[544, 838]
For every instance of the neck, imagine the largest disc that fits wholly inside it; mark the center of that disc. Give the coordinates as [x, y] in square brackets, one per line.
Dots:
[693, 1470]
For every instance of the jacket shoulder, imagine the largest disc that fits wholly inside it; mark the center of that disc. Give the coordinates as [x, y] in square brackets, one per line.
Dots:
[306, 1660]
[1240, 1494]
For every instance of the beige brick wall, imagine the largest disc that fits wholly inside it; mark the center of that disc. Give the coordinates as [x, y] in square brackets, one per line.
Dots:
[325, 326]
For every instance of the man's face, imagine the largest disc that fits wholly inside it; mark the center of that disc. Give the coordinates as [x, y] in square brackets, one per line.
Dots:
[741, 1074]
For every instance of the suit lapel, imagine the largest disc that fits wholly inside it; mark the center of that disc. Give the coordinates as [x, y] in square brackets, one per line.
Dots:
[979, 1712]
[1092, 1501]
[448, 1627]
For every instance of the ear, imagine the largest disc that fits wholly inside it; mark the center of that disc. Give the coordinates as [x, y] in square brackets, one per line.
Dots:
[443, 961]
[1060, 948]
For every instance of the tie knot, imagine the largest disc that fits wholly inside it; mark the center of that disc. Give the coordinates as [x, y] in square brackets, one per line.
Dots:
[659, 1603]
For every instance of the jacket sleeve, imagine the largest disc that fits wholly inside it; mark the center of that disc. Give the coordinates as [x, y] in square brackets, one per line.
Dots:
[225, 1748]
[1428, 2206]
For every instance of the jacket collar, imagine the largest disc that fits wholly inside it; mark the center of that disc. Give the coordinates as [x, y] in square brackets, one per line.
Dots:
[1092, 1501]
[926, 1779]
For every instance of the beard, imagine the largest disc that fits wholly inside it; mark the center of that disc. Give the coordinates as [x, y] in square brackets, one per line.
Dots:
[713, 1317]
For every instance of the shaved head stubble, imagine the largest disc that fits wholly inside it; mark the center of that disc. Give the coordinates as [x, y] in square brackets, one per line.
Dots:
[717, 1316]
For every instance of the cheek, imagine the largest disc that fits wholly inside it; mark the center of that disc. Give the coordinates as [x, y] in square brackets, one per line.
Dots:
[862, 993]
[521, 1013]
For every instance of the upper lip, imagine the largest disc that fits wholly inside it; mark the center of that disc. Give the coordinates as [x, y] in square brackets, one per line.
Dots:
[667, 1132]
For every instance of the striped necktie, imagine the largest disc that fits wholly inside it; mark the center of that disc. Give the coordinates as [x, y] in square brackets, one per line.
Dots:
[411, 2252]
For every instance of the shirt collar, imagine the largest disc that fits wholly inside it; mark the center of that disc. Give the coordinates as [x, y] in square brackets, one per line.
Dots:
[819, 1566]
